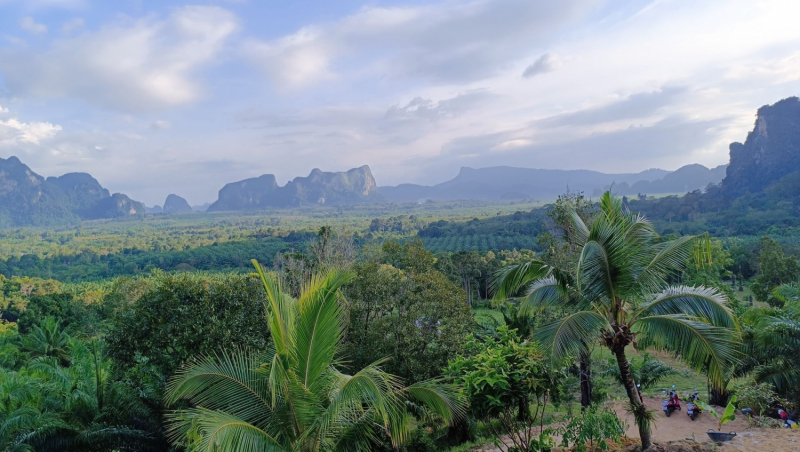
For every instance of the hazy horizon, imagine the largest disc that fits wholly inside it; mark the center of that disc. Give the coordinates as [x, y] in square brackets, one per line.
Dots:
[153, 99]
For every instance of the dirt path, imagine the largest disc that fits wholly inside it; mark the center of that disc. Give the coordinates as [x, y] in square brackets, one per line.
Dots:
[687, 435]
[680, 427]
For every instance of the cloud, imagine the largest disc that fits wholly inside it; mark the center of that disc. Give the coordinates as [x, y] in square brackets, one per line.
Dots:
[419, 108]
[12, 131]
[441, 42]
[144, 64]
[673, 138]
[72, 25]
[543, 64]
[160, 125]
[31, 26]
[637, 105]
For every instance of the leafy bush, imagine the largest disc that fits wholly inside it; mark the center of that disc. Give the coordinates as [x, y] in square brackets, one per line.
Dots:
[503, 378]
[590, 430]
[759, 397]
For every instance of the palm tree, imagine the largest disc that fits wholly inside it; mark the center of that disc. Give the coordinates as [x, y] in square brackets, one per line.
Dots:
[94, 413]
[292, 397]
[620, 295]
[48, 339]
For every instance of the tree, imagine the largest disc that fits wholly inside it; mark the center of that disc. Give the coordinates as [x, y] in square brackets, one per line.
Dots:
[621, 297]
[468, 268]
[95, 413]
[48, 339]
[502, 377]
[180, 316]
[561, 250]
[291, 396]
[772, 345]
[415, 316]
[775, 269]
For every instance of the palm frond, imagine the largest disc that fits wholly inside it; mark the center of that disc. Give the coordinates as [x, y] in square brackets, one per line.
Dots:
[227, 381]
[443, 399]
[596, 273]
[700, 345]
[221, 432]
[580, 232]
[510, 281]
[670, 259]
[702, 302]
[319, 326]
[282, 310]
[566, 337]
[542, 294]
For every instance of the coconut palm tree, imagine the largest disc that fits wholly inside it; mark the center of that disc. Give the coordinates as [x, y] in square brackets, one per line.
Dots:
[619, 294]
[292, 397]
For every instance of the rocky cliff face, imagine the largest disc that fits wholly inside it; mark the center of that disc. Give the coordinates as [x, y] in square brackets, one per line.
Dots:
[770, 152]
[350, 187]
[176, 204]
[28, 199]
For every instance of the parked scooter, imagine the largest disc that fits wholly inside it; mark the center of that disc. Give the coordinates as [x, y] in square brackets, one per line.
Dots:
[671, 404]
[692, 409]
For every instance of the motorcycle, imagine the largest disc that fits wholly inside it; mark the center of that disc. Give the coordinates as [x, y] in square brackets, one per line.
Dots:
[671, 404]
[692, 409]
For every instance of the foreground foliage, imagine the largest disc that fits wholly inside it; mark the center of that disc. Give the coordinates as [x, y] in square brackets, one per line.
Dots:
[291, 396]
[622, 296]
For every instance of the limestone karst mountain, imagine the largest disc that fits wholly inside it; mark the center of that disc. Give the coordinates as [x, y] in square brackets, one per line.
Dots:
[28, 199]
[318, 188]
[176, 204]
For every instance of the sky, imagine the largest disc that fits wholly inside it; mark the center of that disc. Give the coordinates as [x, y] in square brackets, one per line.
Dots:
[159, 97]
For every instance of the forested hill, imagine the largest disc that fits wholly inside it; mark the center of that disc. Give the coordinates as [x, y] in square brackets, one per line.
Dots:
[28, 199]
[761, 190]
[759, 194]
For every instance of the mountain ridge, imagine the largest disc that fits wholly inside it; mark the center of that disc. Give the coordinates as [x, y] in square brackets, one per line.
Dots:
[507, 182]
[28, 199]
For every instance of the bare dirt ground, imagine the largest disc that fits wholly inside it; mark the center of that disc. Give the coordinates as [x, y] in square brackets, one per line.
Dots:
[678, 433]
[680, 428]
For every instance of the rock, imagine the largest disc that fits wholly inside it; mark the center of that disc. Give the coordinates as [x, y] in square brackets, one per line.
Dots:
[351, 187]
[176, 204]
[770, 152]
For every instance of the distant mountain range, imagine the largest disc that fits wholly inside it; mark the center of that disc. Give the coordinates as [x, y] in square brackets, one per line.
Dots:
[505, 182]
[769, 155]
[28, 199]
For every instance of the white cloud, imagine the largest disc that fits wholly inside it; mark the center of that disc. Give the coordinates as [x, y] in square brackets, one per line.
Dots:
[73, 25]
[13, 131]
[443, 42]
[31, 26]
[160, 125]
[134, 65]
[543, 64]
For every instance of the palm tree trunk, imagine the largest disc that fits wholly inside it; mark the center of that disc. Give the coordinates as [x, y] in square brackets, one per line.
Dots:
[637, 404]
[585, 361]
